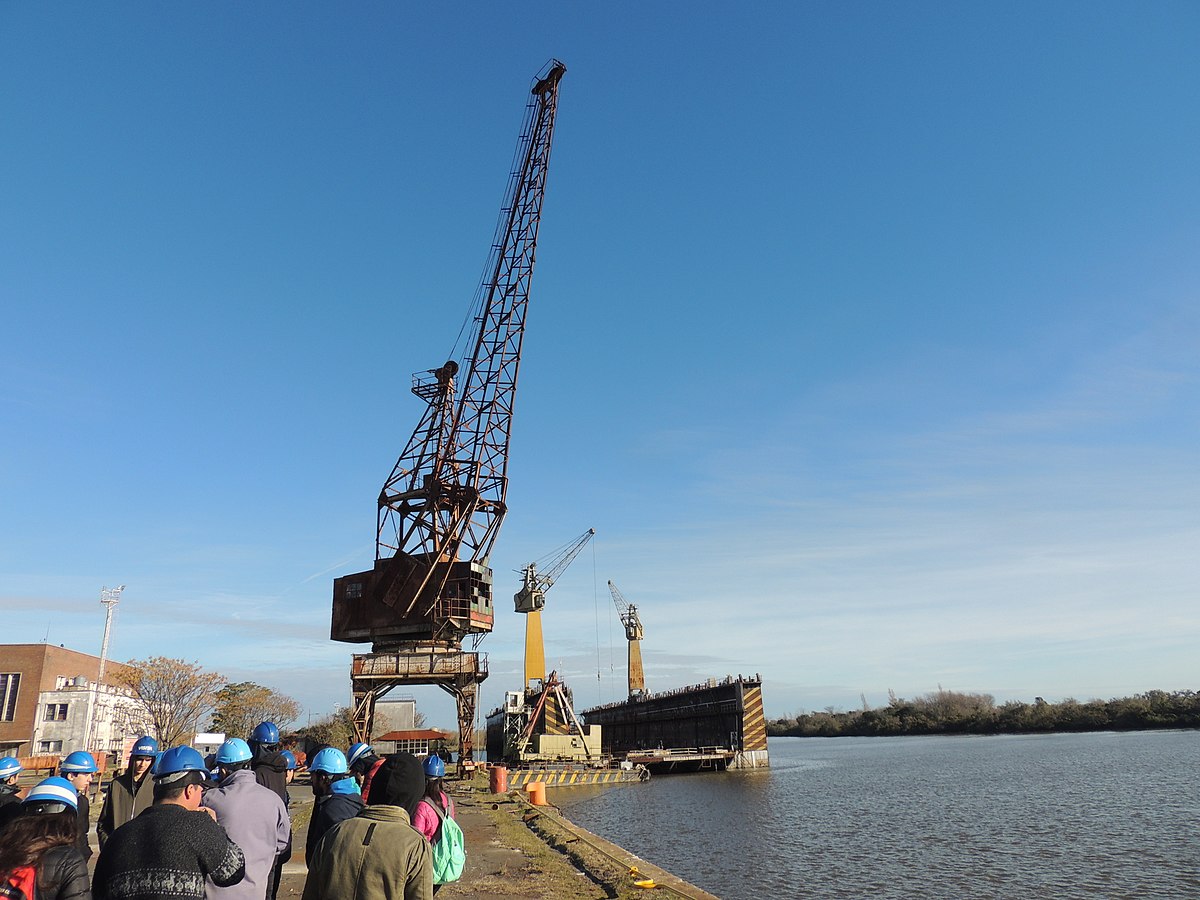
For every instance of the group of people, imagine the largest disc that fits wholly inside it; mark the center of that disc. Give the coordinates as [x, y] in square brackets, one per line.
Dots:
[174, 825]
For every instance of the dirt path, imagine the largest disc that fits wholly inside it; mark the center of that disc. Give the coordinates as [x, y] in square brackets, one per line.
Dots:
[504, 858]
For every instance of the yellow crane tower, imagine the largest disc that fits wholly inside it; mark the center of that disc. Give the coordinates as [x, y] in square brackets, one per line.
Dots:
[531, 598]
[633, 633]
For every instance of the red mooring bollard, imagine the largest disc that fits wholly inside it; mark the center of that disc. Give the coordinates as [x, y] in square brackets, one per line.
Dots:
[537, 792]
[498, 779]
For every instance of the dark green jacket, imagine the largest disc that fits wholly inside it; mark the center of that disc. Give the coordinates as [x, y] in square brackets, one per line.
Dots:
[124, 801]
[377, 855]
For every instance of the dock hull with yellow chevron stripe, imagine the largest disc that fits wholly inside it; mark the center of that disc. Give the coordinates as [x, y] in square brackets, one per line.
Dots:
[553, 776]
[704, 727]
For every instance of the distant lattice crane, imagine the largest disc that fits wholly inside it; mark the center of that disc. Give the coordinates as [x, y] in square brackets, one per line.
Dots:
[633, 633]
[440, 510]
[532, 598]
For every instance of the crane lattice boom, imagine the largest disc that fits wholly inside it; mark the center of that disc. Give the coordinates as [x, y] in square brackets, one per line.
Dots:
[628, 614]
[532, 595]
[440, 510]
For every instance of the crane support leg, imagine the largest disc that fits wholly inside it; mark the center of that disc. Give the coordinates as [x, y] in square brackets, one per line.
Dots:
[454, 670]
[364, 711]
[466, 697]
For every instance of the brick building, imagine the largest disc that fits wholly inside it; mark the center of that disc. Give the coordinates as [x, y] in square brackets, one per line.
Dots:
[47, 696]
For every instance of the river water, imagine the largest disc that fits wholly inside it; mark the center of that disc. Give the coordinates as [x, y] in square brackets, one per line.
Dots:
[1025, 816]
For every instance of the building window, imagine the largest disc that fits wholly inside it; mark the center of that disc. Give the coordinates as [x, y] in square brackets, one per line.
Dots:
[9, 686]
[50, 747]
[56, 712]
[354, 591]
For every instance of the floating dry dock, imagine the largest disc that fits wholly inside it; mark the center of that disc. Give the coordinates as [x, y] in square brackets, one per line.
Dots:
[716, 725]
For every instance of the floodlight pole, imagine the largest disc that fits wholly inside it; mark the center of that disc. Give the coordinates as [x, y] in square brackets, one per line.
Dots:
[109, 597]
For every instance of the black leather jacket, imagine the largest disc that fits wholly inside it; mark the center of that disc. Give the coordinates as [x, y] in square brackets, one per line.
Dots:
[63, 875]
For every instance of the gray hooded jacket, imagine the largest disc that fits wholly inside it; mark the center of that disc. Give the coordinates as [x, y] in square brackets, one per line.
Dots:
[257, 821]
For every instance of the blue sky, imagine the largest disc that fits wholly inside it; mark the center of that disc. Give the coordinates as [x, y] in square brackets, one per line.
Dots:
[864, 335]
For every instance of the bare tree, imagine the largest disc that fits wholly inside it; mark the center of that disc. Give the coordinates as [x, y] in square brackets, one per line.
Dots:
[176, 694]
[239, 707]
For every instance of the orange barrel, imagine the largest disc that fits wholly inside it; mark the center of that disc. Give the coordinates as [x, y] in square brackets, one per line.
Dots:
[498, 779]
[537, 792]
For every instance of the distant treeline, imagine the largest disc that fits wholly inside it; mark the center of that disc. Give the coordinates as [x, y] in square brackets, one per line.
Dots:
[952, 712]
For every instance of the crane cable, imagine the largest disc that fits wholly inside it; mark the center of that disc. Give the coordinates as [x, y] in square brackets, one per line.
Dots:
[596, 606]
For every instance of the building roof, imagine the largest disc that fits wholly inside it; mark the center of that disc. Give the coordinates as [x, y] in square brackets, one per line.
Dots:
[422, 734]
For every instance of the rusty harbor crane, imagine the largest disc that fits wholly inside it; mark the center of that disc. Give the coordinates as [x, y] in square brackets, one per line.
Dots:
[440, 510]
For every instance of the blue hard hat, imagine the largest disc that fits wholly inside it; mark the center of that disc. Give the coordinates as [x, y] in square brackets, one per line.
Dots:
[79, 763]
[331, 761]
[178, 761]
[234, 750]
[9, 766]
[265, 733]
[435, 766]
[290, 758]
[54, 790]
[357, 752]
[145, 746]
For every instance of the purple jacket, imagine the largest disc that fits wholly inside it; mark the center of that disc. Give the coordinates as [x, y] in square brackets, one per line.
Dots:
[257, 821]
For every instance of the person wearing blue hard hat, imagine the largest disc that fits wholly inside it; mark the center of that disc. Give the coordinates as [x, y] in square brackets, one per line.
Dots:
[79, 768]
[173, 849]
[270, 766]
[130, 792]
[38, 857]
[290, 759]
[214, 774]
[270, 769]
[377, 853]
[254, 818]
[364, 763]
[335, 792]
[10, 768]
[435, 807]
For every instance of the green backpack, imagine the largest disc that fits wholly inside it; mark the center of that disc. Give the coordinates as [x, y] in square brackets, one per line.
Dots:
[449, 854]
